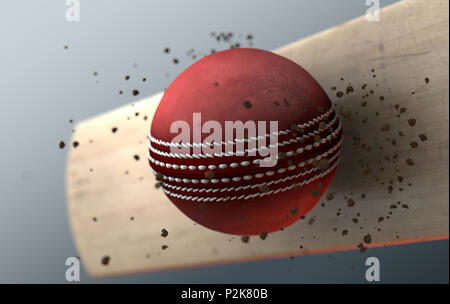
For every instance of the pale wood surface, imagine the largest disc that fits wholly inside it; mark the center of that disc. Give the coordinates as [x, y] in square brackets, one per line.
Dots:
[409, 44]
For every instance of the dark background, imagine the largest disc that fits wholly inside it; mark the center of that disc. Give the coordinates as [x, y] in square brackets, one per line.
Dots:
[43, 86]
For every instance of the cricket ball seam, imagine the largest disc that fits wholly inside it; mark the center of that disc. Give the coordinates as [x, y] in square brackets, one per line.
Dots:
[282, 144]
[308, 124]
[254, 195]
[251, 186]
[224, 166]
[228, 154]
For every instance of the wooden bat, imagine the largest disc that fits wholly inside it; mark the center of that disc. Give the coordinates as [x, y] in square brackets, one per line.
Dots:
[389, 81]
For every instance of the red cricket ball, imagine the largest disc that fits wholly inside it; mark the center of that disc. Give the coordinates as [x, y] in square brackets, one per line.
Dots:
[215, 174]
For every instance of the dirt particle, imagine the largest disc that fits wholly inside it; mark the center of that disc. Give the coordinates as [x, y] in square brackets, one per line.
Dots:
[361, 247]
[159, 176]
[390, 189]
[413, 144]
[135, 92]
[164, 247]
[105, 260]
[411, 122]
[344, 232]
[61, 145]
[409, 162]
[245, 238]
[164, 233]
[136, 157]
[427, 80]
[294, 127]
[247, 104]
[127, 77]
[330, 196]
[209, 174]
[321, 164]
[175, 60]
[166, 50]
[294, 210]
[350, 203]
[386, 127]
[423, 137]
[114, 129]
[263, 188]
[263, 235]
[339, 94]
[75, 144]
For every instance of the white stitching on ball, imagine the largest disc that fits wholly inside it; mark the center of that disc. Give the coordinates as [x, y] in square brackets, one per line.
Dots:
[246, 197]
[198, 156]
[308, 124]
[337, 146]
[251, 186]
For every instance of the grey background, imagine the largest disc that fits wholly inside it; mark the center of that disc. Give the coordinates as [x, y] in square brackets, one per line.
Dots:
[43, 85]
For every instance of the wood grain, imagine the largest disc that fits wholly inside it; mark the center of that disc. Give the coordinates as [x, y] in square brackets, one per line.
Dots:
[403, 63]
